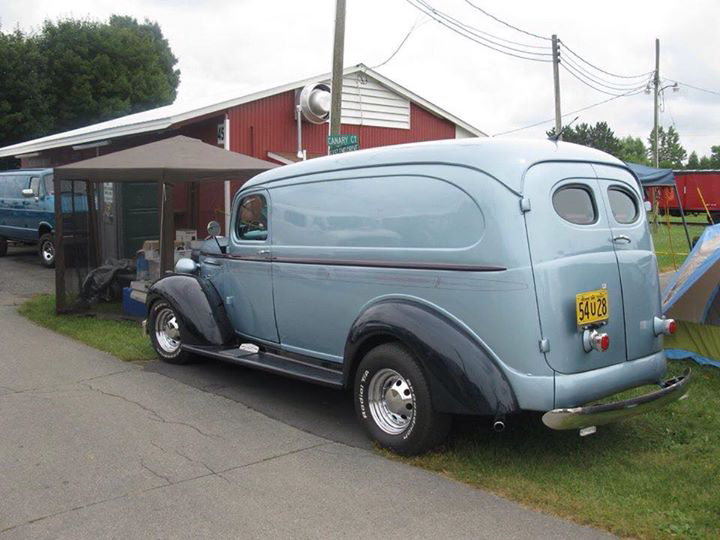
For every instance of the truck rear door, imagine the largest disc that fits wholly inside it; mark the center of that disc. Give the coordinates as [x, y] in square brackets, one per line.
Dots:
[572, 252]
[636, 259]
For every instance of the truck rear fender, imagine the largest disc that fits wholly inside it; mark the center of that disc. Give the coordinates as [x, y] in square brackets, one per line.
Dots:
[464, 377]
[198, 306]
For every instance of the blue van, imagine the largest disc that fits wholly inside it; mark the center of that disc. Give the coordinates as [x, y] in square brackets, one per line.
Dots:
[466, 277]
[27, 211]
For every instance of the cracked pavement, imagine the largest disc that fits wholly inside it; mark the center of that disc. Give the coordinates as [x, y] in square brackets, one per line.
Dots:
[94, 447]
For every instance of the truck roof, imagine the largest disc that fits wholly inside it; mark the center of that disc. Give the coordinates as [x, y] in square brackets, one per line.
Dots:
[28, 170]
[504, 159]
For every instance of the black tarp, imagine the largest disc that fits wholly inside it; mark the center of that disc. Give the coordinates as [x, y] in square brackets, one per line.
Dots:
[650, 176]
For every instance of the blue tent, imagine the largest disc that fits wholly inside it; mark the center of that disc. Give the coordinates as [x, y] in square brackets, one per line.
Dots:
[650, 176]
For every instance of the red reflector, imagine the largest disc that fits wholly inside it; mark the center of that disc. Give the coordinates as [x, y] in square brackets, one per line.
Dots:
[671, 327]
[604, 342]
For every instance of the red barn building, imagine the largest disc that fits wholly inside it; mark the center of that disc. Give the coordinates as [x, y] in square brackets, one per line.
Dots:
[262, 124]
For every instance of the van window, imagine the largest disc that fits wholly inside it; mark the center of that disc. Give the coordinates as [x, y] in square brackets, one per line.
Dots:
[388, 212]
[251, 221]
[623, 205]
[35, 185]
[575, 204]
[49, 185]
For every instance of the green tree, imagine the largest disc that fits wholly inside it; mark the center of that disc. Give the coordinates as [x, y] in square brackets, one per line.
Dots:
[98, 71]
[693, 161]
[599, 136]
[24, 109]
[671, 152]
[633, 150]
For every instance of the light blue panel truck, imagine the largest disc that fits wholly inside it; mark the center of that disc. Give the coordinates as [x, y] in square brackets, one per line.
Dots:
[466, 277]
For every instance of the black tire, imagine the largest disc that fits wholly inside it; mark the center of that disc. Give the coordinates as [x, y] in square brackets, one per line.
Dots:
[424, 429]
[46, 250]
[3, 246]
[156, 325]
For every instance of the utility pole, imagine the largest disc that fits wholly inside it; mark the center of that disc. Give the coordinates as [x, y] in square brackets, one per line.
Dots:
[556, 79]
[656, 83]
[337, 68]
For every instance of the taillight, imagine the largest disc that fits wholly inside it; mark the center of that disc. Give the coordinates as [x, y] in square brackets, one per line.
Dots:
[594, 340]
[664, 326]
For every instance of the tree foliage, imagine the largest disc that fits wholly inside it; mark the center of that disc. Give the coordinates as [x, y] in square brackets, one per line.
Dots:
[671, 152]
[77, 72]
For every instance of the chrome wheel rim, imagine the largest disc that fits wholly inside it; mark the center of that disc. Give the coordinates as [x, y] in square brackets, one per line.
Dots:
[391, 401]
[167, 331]
[48, 251]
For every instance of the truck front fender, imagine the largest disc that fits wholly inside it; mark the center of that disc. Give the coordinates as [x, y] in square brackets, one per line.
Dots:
[198, 306]
[464, 377]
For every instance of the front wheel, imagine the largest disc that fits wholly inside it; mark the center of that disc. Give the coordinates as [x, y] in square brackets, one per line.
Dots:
[47, 250]
[393, 402]
[165, 335]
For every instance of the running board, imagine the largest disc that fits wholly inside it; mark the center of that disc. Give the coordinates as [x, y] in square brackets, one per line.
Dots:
[274, 363]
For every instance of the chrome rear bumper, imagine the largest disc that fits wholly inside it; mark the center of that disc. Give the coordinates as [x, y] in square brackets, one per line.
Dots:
[596, 415]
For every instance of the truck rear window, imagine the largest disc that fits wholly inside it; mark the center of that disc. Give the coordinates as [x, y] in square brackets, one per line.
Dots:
[575, 204]
[623, 205]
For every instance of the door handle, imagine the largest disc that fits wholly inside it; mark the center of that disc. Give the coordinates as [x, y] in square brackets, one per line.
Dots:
[621, 238]
[263, 252]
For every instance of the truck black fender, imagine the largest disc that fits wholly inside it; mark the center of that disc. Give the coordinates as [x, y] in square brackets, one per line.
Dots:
[198, 306]
[464, 378]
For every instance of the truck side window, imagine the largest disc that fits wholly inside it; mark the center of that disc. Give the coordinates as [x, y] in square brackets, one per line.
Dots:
[251, 223]
[49, 185]
[35, 185]
[623, 205]
[575, 204]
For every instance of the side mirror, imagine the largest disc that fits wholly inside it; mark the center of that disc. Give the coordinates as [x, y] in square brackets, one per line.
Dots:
[27, 192]
[213, 228]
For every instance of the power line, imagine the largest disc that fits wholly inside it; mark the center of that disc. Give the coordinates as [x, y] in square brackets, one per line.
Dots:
[435, 15]
[536, 124]
[600, 80]
[414, 27]
[715, 92]
[478, 33]
[506, 23]
[639, 75]
[577, 76]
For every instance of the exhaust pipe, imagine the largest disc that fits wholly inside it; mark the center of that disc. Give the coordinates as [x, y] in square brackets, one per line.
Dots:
[498, 426]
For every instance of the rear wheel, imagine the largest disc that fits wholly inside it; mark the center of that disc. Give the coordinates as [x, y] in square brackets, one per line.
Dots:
[393, 402]
[165, 334]
[47, 250]
[3, 246]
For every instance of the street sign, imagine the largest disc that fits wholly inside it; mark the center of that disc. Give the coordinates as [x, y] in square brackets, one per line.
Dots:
[337, 144]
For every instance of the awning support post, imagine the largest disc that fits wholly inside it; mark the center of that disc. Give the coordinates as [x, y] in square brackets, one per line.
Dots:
[167, 228]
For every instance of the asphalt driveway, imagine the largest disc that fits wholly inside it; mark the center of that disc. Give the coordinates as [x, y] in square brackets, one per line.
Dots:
[94, 447]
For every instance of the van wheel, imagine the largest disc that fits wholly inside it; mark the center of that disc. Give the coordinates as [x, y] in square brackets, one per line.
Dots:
[393, 402]
[165, 334]
[3, 246]
[47, 250]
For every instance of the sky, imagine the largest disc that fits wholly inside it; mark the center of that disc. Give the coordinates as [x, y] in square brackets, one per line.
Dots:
[225, 47]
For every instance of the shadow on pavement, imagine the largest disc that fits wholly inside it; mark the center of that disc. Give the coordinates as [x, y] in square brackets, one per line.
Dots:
[315, 409]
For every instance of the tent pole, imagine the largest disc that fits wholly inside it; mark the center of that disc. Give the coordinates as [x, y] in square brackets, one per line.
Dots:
[60, 300]
[682, 215]
[167, 227]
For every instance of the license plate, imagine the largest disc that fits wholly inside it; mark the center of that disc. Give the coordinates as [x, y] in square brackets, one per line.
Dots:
[592, 307]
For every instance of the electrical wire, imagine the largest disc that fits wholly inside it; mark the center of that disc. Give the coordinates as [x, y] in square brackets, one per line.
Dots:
[599, 80]
[639, 75]
[536, 124]
[475, 32]
[414, 27]
[506, 23]
[480, 41]
[590, 85]
[715, 92]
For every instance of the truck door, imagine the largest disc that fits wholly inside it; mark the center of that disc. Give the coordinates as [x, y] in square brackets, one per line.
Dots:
[247, 283]
[636, 259]
[572, 252]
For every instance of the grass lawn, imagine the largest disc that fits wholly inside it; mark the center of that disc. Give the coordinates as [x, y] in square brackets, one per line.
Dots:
[123, 339]
[653, 476]
[675, 239]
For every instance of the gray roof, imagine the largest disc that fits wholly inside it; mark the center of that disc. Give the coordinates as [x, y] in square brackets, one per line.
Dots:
[177, 159]
[504, 159]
